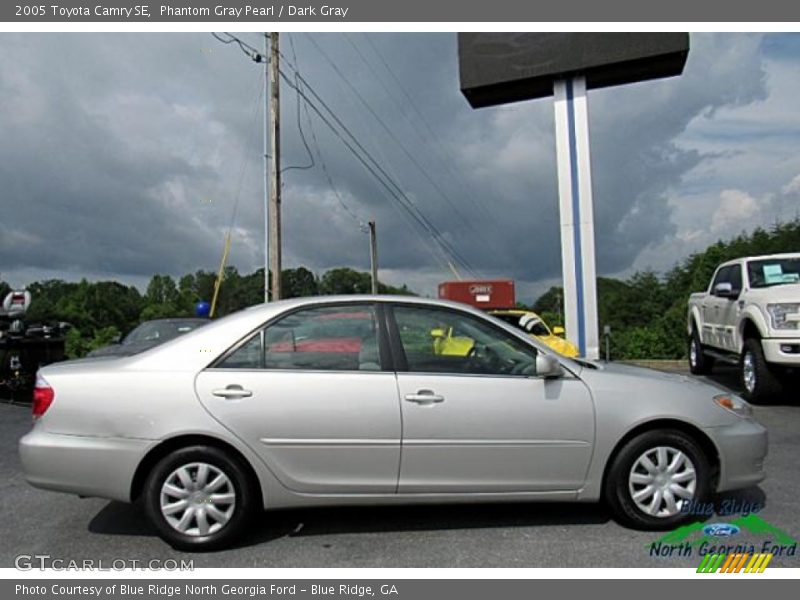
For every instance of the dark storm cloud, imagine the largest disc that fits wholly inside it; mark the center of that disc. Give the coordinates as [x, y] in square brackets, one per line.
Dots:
[124, 155]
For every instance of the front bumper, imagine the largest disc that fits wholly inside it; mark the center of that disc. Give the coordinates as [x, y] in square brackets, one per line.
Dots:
[87, 466]
[743, 448]
[774, 354]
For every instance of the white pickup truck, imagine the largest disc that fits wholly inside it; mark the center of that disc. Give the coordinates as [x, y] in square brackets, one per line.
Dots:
[749, 316]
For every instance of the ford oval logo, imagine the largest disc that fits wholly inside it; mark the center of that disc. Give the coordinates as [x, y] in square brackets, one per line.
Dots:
[721, 529]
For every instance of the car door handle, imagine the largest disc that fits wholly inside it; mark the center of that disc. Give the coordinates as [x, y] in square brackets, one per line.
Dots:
[232, 392]
[424, 397]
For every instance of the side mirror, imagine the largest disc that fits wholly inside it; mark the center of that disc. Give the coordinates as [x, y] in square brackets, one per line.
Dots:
[438, 333]
[116, 339]
[547, 366]
[725, 290]
[558, 330]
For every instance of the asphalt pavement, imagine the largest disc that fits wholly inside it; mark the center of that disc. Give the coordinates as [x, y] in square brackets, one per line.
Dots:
[65, 527]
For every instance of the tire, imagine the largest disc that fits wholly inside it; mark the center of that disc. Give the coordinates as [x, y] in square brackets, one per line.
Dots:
[210, 519]
[627, 477]
[758, 380]
[699, 362]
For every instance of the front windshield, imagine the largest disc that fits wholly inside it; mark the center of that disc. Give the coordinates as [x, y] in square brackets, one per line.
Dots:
[775, 271]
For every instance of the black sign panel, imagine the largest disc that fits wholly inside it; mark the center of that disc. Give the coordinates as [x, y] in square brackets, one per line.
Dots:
[497, 68]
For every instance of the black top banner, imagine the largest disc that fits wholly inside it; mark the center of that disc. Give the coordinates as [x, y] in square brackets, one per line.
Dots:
[336, 11]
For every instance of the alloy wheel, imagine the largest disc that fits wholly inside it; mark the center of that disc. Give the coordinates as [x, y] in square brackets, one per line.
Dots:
[197, 499]
[661, 481]
[749, 372]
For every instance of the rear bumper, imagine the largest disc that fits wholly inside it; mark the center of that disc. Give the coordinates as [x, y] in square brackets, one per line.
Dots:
[774, 354]
[743, 448]
[87, 466]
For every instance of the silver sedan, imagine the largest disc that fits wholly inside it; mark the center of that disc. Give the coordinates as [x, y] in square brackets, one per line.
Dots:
[376, 400]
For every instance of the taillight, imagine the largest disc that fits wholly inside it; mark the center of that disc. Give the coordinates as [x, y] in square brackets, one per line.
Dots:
[43, 396]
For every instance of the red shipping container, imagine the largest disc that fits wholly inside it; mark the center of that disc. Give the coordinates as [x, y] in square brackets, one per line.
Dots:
[498, 293]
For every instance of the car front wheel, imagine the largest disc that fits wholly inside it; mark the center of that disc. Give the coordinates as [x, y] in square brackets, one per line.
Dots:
[198, 498]
[656, 478]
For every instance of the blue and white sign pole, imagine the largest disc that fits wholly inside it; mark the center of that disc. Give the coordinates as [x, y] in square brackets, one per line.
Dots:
[577, 214]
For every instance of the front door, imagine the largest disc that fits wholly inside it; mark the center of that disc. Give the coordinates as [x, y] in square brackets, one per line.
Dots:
[476, 418]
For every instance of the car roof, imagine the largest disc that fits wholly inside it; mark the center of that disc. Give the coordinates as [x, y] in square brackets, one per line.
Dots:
[761, 257]
[177, 320]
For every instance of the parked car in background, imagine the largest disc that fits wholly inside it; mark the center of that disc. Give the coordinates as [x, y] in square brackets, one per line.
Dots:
[347, 401]
[749, 316]
[148, 335]
[531, 323]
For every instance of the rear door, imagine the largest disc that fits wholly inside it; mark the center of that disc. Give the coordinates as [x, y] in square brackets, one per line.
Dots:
[476, 417]
[314, 395]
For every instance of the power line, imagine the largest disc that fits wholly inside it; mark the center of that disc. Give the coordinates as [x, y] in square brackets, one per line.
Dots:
[299, 125]
[405, 201]
[450, 162]
[394, 137]
[375, 169]
[356, 148]
[247, 158]
[318, 149]
[258, 56]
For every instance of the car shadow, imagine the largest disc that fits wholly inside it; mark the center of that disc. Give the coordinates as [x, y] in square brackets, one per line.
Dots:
[387, 519]
[740, 502]
[727, 376]
[118, 518]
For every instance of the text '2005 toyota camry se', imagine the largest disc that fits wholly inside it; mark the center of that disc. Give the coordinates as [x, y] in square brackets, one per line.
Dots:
[377, 399]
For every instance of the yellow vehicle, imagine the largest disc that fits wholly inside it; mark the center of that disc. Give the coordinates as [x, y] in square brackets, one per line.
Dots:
[447, 344]
[533, 324]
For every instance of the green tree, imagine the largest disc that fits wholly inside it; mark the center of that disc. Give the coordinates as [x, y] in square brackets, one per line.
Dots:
[345, 280]
[162, 299]
[75, 345]
[298, 283]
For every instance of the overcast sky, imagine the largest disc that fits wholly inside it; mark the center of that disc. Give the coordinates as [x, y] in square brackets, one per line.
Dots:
[123, 155]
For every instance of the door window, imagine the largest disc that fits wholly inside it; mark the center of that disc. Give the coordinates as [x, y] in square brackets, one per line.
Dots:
[446, 341]
[249, 355]
[327, 338]
[735, 277]
[722, 276]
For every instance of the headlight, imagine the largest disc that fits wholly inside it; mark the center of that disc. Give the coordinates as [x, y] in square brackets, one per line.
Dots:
[780, 315]
[734, 404]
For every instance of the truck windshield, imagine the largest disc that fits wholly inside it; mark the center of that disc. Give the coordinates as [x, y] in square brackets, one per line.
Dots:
[776, 271]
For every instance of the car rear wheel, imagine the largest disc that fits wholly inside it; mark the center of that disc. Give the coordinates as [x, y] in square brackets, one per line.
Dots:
[655, 478]
[759, 382]
[198, 498]
[699, 362]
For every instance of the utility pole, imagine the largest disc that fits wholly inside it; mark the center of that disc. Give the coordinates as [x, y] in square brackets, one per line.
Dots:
[274, 211]
[266, 168]
[373, 256]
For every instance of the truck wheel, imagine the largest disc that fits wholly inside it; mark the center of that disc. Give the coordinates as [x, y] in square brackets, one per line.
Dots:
[758, 380]
[699, 362]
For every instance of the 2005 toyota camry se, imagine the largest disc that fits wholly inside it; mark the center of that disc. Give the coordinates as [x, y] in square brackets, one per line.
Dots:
[375, 399]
